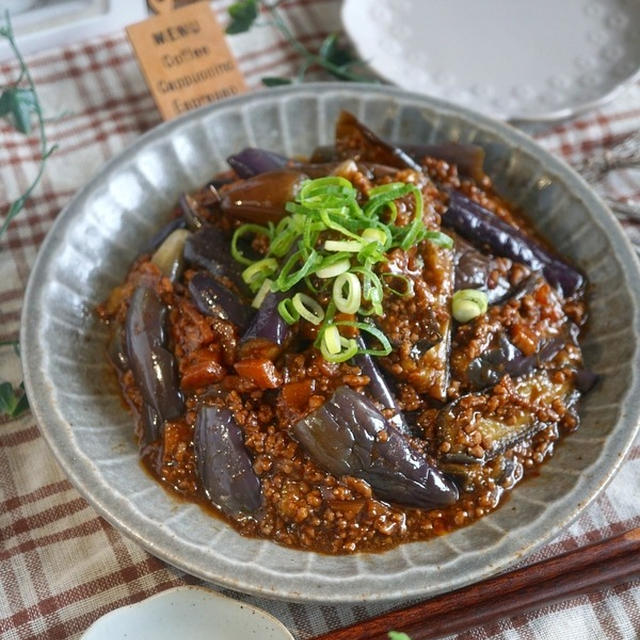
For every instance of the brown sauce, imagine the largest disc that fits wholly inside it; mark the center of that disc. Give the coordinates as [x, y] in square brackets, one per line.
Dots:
[304, 506]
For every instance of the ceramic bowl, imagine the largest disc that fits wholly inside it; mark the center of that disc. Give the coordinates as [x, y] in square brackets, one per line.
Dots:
[75, 397]
[190, 612]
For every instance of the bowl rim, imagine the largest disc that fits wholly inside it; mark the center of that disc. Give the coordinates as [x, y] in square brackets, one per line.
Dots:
[243, 609]
[37, 384]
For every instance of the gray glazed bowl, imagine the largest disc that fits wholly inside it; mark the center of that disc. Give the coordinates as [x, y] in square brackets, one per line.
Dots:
[75, 397]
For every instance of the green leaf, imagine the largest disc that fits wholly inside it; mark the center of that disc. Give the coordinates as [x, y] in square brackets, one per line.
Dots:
[8, 400]
[19, 103]
[12, 403]
[331, 51]
[243, 14]
[275, 81]
[398, 635]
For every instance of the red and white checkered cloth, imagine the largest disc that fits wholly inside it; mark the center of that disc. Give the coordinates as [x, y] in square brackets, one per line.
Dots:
[61, 565]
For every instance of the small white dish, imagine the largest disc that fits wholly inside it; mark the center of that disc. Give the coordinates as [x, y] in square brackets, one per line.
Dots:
[187, 612]
[516, 59]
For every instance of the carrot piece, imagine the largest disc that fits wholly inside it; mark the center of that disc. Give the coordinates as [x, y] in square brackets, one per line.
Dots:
[260, 371]
[296, 394]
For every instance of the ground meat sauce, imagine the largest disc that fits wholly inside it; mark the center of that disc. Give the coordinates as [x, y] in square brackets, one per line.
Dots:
[482, 425]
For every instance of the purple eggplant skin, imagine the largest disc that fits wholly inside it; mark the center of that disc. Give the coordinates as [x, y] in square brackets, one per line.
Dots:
[151, 424]
[344, 436]
[473, 269]
[152, 364]
[268, 324]
[253, 161]
[223, 463]
[354, 140]
[378, 387]
[487, 369]
[209, 249]
[585, 380]
[117, 349]
[212, 298]
[191, 218]
[482, 227]
[164, 233]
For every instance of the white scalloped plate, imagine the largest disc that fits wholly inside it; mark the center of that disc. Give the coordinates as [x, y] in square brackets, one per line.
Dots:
[514, 59]
[75, 398]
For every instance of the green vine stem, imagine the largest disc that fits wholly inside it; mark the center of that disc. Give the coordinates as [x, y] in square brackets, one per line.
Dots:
[17, 205]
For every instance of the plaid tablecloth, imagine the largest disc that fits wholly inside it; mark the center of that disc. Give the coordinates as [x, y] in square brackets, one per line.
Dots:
[61, 565]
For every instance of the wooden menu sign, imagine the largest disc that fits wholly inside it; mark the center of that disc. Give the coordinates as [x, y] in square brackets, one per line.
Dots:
[185, 58]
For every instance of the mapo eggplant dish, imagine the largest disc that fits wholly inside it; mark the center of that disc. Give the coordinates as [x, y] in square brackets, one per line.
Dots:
[349, 352]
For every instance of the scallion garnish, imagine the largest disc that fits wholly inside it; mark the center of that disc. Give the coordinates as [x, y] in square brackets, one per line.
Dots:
[330, 244]
[264, 289]
[467, 304]
[255, 274]
[308, 308]
[287, 311]
[350, 301]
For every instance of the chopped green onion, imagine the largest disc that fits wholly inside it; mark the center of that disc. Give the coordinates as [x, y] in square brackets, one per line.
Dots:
[288, 278]
[439, 239]
[351, 246]
[313, 188]
[333, 269]
[329, 235]
[331, 339]
[385, 345]
[468, 304]
[241, 231]
[287, 311]
[255, 274]
[308, 308]
[264, 289]
[284, 236]
[336, 348]
[375, 235]
[416, 227]
[408, 290]
[349, 303]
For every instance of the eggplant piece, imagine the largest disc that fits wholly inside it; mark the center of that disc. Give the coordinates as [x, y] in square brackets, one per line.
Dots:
[349, 436]
[482, 227]
[497, 436]
[427, 320]
[169, 256]
[491, 366]
[117, 349]
[378, 387]
[223, 463]
[469, 158]
[253, 161]
[209, 249]
[268, 331]
[262, 198]
[212, 298]
[354, 140]
[585, 380]
[323, 154]
[152, 365]
[151, 424]
[506, 358]
[163, 233]
[189, 212]
[473, 269]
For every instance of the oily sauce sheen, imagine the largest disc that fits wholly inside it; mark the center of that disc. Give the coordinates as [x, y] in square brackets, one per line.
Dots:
[305, 507]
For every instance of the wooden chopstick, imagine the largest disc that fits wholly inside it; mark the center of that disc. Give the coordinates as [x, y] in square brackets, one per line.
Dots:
[585, 569]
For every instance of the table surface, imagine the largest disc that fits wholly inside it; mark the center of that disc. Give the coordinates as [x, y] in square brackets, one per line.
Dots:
[61, 565]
